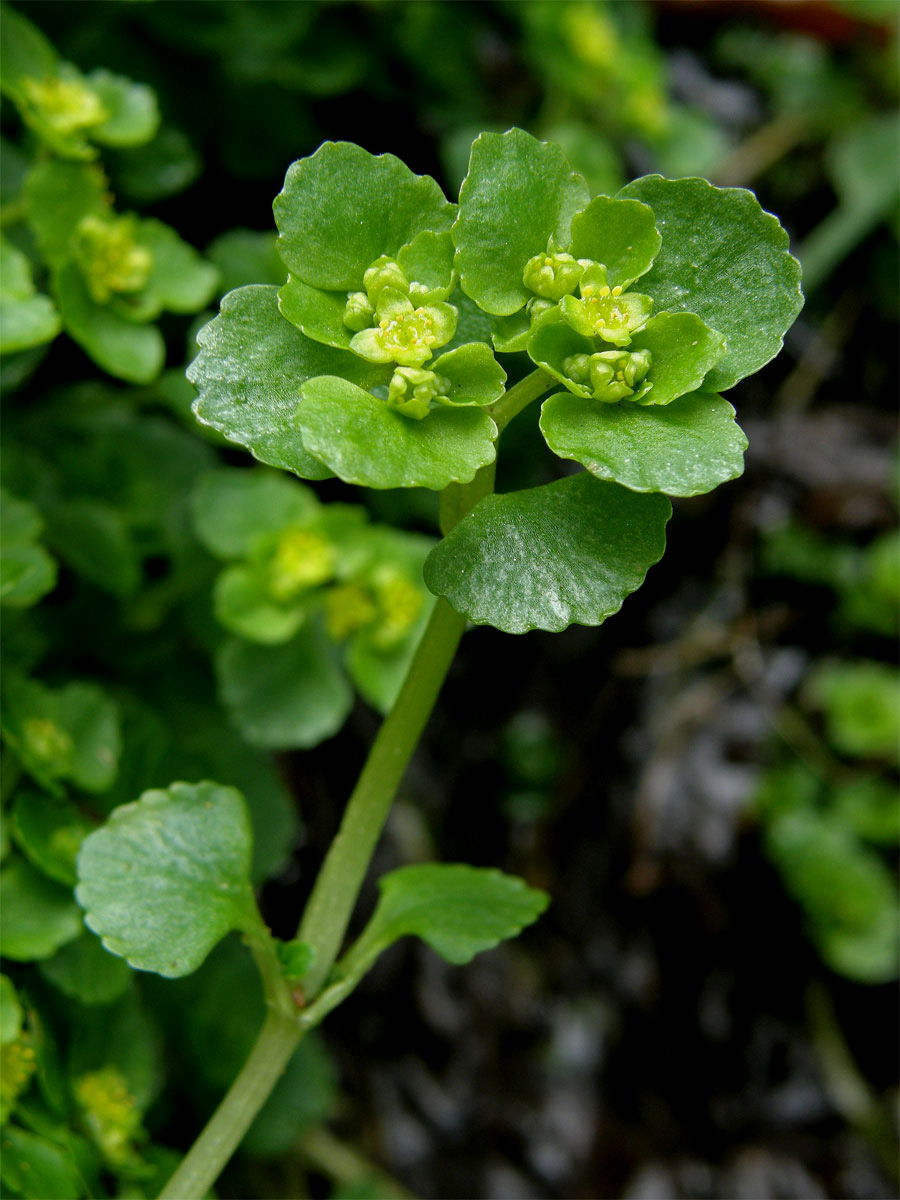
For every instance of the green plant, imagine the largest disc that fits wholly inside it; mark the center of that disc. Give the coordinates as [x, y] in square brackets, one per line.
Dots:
[375, 363]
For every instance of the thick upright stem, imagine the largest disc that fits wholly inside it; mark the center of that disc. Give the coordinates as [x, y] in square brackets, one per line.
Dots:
[344, 869]
[270, 1055]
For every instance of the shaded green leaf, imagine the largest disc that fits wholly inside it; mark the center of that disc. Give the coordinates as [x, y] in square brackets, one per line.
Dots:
[283, 697]
[180, 281]
[458, 910]
[27, 571]
[84, 971]
[133, 115]
[847, 893]
[94, 539]
[861, 701]
[72, 733]
[363, 441]
[233, 507]
[169, 875]
[11, 1015]
[727, 260]
[244, 605]
[135, 353]
[871, 808]
[519, 192]
[26, 52]
[684, 448]
[37, 916]
[49, 831]
[569, 551]
[26, 318]
[244, 256]
[34, 1167]
[342, 208]
[59, 195]
[251, 366]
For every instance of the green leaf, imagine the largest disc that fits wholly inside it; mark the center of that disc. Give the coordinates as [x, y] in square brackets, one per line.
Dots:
[233, 507]
[543, 558]
[94, 539]
[49, 832]
[342, 208]
[162, 168]
[243, 604]
[474, 374]
[251, 366]
[11, 1015]
[84, 971]
[284, 697]
[37, 916]
[511, 333]
[458, 910]
[26, 318]
[870, 808]
[684, 448]
[727, 260]
[59, 195]
[169, 875]
[135, 353]
[180, 280]
[318, 314]
[684, 351]
[27, 571]
[620, 234]
[72, 733]
[365, 442]
[34, 1167]
[847, 893]
[26, 53]
[519, 193]
[133, 113]
[296, 958]
[244, 256]
[427, 263]
[861, 701]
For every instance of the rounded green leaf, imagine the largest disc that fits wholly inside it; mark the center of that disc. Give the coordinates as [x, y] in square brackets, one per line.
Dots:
[427, 263]
[284, 697]
[86, 972]
[34, 1166]
[135, 353]
[620, 234]
[233, 507]
[519, 193]
[318, 314]
[569, 551]
[458, 910]
[365, 442]
[133, 113]
[26, 318]
[727, 260]
[474, 374]
[59, 195]
[49, 831]
[27, 571]
[249, 372]
[684, 351]
[342, 208]
[37, 916]
[684, 448]
[168, 876]
[180, 280]
[242, 604]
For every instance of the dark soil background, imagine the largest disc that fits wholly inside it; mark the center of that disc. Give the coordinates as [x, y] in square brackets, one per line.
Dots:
[667, 1029]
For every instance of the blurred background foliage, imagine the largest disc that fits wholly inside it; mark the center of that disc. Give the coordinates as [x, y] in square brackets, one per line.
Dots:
[707, 786]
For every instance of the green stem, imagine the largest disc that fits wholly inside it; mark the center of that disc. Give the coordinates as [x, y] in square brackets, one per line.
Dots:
[344, 869]
[270, 1055]
[346, 864]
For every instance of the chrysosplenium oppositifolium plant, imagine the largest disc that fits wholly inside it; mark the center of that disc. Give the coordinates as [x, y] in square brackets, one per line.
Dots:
[377, 362]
